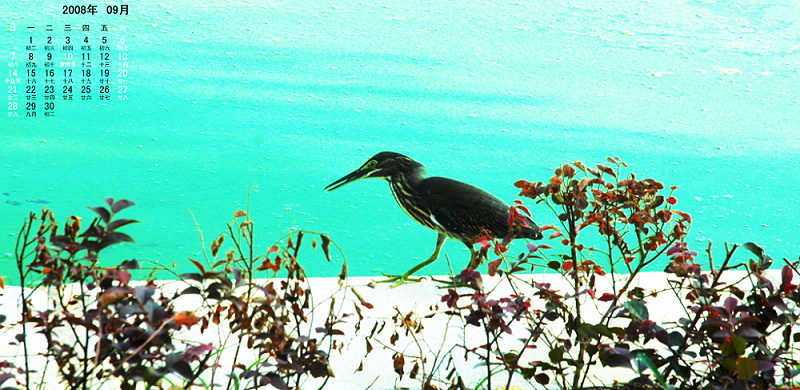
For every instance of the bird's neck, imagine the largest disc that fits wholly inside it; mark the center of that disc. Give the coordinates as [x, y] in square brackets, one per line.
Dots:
[409, 177]
[405, 191]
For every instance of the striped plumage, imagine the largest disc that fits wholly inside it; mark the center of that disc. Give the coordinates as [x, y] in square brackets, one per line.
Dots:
[451, 208]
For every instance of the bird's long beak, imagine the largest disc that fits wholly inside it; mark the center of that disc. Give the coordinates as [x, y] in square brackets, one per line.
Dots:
[359, 173]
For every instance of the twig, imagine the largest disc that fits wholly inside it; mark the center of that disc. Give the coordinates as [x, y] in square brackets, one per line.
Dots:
[24, 233]
[149, 339]
[698, 315]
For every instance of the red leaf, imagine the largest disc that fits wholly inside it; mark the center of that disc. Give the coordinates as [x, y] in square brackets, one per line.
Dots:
[528, 189]
[786, 277]
[493, 265]
[671, 200]
[326, 242]
[124, 277]
[361, 300]
[512, 216]
[599, 270]
[607, 297]
[216, 244]
[194, 353]
[277, 266]
[685, 216]
[583, 183]
[198, 265]
[606, 169]
[628, 259]
[399, 361]
[451, 298]
[567, 265]
[484, 242]
[185, 318]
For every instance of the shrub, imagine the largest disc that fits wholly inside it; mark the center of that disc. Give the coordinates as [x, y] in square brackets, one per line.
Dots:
[100, 325]
[735, 330]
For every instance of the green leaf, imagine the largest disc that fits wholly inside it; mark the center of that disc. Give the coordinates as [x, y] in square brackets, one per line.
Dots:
[746, 368]
[191, 276]
[764, 260]
[121, 204]
[739, 344]
[587, 331]
[510, 359]
[191, 290]
[642, 357]
[637, 309]
[151, 376]
[528, 372]
[729, 364]
[675, 338]
[176, 363]
[556, 354]
[615, 360]
[102, 212]
[113, 238]
[603, 330]
[117, 223]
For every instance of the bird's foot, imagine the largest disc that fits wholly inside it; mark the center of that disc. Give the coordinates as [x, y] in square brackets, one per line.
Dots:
[456, 283]
[397, 280]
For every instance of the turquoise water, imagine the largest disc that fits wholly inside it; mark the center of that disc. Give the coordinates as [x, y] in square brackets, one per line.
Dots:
[276, 99]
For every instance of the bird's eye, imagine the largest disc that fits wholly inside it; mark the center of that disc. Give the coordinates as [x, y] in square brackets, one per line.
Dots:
[370, 164]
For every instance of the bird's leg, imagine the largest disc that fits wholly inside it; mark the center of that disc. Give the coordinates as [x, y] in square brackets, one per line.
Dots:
[475, 259]
[402, 278]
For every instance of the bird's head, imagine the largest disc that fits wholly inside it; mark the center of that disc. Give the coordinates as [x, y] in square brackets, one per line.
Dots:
[382, 165]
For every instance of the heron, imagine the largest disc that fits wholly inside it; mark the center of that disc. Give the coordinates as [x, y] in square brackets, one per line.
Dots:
[451, 208]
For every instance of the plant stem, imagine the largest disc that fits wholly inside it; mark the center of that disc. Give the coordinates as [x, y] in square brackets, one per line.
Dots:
[86, 342]
[521, 351]
[144, 344]
[684, 344]
[249, 288]
[488, 357]
[24, 233]
[576, 278]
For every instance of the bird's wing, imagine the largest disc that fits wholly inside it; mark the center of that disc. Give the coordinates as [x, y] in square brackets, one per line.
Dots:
[464, 210]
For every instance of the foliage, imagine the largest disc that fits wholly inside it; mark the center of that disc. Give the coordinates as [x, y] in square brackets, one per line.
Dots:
[100, 325]
[271, 318]
[610, 229]
[264, 328]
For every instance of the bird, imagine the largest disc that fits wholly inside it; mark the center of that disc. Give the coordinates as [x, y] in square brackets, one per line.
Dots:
[451, 208]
